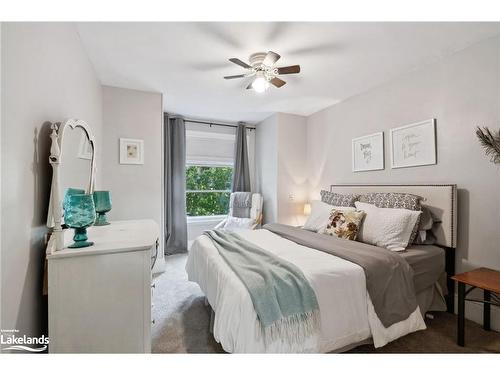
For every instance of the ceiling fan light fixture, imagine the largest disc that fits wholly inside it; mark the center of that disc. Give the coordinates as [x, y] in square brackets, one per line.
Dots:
[260, 84]
[262, 69]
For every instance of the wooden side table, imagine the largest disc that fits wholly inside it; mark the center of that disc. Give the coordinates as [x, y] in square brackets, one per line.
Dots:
[483, 278]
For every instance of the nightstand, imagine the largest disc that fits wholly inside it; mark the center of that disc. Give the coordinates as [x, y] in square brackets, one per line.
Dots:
[483, 278]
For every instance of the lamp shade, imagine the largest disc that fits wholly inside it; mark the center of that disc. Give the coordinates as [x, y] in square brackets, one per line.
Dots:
[307, 209]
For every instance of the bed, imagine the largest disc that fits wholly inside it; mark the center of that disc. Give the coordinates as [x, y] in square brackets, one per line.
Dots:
[347, 314]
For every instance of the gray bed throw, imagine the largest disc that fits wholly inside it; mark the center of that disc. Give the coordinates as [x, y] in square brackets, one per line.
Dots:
[285, 303]
[389, 278]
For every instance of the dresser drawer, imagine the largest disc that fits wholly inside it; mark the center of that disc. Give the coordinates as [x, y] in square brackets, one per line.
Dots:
[100, 297]
[92, 299]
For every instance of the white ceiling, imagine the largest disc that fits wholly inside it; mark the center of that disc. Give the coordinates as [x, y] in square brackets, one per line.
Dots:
[186, 61]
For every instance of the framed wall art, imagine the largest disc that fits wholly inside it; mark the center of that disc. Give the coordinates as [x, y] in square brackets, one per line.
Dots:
[131, 151]
[368, 153]
[413, 145]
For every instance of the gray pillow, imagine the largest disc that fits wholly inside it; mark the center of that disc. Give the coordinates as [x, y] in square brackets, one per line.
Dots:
[427, 238]
[336, 199]
[426, 219]
[424, 234]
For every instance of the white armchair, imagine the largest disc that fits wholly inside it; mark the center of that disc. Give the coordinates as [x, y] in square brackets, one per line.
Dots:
[255, 212]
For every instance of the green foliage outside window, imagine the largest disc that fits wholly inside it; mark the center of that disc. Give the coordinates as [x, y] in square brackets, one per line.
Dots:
[208, 190]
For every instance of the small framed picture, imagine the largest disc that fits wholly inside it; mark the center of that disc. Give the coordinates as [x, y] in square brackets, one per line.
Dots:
[368, 153]
[131, 151]
[413, 145]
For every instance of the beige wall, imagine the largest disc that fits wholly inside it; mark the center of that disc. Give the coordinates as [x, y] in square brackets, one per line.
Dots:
[292, 171]
[461, 92]
[46, 76]
[281, 167]
[266, 159]
[1, 122]
[139, 115]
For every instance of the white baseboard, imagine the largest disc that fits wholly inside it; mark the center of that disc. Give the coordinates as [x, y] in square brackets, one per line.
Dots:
[474, 312]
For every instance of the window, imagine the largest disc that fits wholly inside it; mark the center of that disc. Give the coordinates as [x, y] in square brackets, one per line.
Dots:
[207, 190]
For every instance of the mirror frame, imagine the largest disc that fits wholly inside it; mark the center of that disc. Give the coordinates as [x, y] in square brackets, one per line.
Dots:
[54, 217]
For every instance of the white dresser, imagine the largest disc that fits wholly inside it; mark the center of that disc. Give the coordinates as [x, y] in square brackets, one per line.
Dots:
[100, 296]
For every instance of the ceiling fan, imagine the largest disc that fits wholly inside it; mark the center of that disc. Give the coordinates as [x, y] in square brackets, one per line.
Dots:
[262, 68]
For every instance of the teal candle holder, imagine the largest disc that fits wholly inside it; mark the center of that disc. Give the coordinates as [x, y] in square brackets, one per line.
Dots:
[79, 214]
[102, 201]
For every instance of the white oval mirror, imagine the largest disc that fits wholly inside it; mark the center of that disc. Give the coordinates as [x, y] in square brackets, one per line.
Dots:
[75, 165]
[72, 156]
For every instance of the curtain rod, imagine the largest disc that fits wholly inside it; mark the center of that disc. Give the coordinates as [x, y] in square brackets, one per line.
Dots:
[217, 124]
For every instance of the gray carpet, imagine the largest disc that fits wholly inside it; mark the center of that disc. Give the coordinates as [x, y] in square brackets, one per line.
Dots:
[181, 317]
[182, 322]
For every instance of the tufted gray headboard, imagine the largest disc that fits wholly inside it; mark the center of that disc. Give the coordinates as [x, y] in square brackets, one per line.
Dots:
[440, 199]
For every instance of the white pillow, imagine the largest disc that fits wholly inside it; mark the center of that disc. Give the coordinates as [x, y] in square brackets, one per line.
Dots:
[238, 223]
[387, 227]
[320, 214]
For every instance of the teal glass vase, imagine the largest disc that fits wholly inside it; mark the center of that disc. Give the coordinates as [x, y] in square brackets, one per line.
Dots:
[70, 191]
[102, 202]
[79, 214]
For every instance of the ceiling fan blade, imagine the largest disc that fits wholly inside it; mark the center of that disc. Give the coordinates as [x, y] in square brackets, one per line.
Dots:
[250, 85]
[236, 61]
[271, 58]
[292, 69]
[277, 82]
[236, 76]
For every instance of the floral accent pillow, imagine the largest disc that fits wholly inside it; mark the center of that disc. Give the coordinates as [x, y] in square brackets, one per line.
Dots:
[335, 199]
[344, 224]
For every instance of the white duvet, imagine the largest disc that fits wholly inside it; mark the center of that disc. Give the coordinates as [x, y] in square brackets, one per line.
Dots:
[347, 314]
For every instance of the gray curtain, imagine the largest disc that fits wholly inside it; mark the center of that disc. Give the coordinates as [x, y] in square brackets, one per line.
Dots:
[241, 171]
[175, 185]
